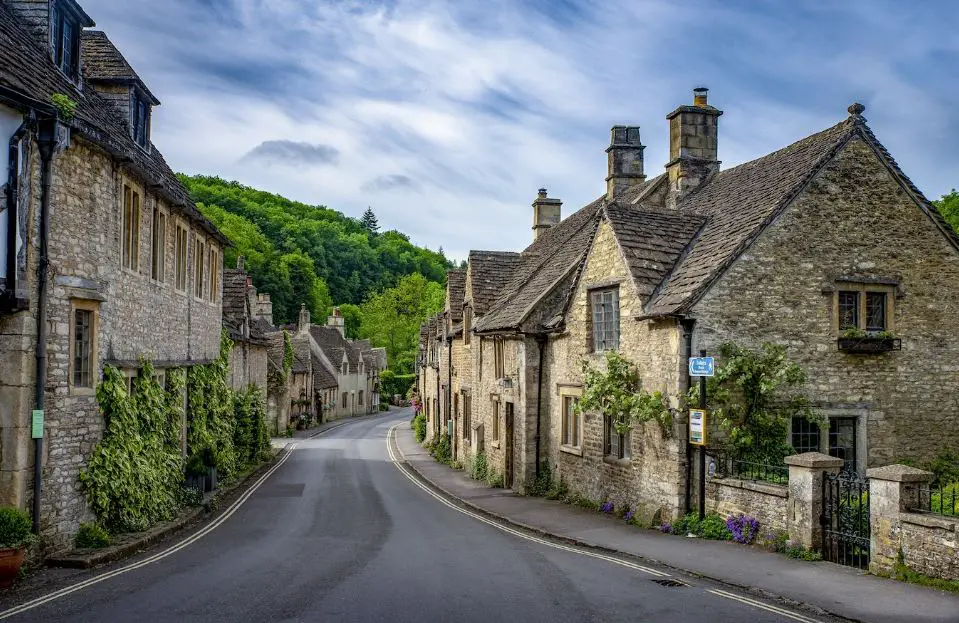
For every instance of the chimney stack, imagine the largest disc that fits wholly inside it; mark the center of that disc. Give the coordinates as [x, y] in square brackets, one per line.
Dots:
[304, 324]
[337, 321]
[693, 145]
[264, 308]
[624, 160]
[546, 213]
[239, 262]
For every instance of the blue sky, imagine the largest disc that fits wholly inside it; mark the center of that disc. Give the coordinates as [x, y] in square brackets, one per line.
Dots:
[446, 117]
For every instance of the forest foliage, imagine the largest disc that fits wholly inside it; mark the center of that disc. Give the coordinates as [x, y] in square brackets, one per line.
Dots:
[301, 253]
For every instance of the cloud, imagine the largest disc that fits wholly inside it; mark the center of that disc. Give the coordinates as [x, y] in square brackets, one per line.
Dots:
[390, 182]
[480, 104]
[292, 153]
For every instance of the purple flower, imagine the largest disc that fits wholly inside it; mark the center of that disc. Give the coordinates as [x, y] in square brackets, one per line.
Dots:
[743, 528]
[666, 528]
[628, 516]
[607, 507]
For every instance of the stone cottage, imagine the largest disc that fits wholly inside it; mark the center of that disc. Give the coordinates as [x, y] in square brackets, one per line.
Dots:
[821, 240]
[104, 259]
[249, 332]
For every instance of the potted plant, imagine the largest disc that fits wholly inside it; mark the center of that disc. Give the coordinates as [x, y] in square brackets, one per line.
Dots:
[15, 536]
[855, 340]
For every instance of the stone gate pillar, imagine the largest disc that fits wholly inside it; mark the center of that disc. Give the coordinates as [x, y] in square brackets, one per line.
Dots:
[805, 496]
[893, 489]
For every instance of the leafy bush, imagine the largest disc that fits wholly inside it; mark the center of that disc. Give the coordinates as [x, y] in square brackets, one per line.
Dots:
[543, 483]
[711, 527]
[15, 528]
[191, 496]
[419, 428]
[479, 467]
[91, 536]
[440, 449]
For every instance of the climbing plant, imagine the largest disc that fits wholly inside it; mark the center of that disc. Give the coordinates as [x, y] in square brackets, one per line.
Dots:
[754, 396]
[251, 440]
[210, 416]
[133, 477]
[618, 393]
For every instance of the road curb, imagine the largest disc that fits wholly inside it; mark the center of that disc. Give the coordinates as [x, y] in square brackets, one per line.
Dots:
[452, 497]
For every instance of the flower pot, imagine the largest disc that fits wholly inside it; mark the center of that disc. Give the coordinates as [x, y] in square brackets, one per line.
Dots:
[10, 562]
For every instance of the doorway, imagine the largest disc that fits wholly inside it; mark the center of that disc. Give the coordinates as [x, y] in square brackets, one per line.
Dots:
[508, 476]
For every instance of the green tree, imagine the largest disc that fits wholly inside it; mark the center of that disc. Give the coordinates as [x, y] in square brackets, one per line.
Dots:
[392, 318]
[352, 320]
[370, 224]
[949, 208]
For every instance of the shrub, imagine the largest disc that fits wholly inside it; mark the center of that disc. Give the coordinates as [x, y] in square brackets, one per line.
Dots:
[711, 527]
[440, 449]
[191, 496]
[743, 529]
[91, 536]
[543, 483]
[15, 526]
[479, 467]
[419, 428]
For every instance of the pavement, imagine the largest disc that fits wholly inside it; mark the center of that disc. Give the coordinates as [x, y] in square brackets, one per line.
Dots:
[342, 530]
[814, 586]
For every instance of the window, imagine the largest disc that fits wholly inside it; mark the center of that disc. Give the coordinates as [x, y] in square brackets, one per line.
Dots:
[64, 40]
[842, 441]
[141, 121]
[864, 307]
[159, 245]
[131, 229]
[181, 250]
[616, 444]
[572, 423]
[345, 399]
[199, 250]
[605, 319]
[360, 399]
[83, 345]
[467, 323]
[467, 416]
[805, 435]
[499, 358]
[495, 430]
[214, 280]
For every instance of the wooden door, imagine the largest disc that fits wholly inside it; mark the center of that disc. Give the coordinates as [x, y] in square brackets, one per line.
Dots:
[508, 476]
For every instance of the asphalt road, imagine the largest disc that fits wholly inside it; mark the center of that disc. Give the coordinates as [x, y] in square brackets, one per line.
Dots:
[339, 533]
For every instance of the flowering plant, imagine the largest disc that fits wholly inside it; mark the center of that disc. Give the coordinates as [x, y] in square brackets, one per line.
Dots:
[666, 528]
[629, 515]
[607, 508]
[743, 528]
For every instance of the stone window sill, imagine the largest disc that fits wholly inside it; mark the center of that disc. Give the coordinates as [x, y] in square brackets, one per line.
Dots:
[611, 460]
[82, 391]
[571, 450]
[494, 444]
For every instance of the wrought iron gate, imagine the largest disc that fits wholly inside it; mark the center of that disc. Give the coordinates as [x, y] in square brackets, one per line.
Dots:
[845, 519]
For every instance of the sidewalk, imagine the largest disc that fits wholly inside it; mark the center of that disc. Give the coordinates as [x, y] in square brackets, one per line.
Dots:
[835, 589]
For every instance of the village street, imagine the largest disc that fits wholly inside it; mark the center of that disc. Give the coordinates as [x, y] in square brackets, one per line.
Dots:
[339, 533]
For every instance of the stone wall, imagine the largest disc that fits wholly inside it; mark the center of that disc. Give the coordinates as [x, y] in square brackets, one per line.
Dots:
[766, 502]
[489, 391]
[653, 480]
[853, 221]
[248, 365]
[135, 317]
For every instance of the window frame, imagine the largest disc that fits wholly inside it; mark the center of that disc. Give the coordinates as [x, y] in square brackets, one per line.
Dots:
[571, 440]
[158, 242]
[181, 270]
[131, 224]
[811, 430]
[604, 334]
[213, 274]
[495, 429]
[499, 358]
[199, 267]
[467, 323]
[60, 17]
[93, 308]
[623, 451]
[140, 123]
[863, 291]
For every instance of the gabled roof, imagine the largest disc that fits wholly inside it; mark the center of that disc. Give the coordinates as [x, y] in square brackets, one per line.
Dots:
[234, 294]
[237, 311]
[335, 346]
[103, 62]
[28, 80]
[490, 271]
[455, 290]
[322, 377]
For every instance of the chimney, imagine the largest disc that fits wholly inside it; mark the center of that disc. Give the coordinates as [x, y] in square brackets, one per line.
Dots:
[693, 146]
[546, 213]
[337, 321]
[239, 262]
[625, 160]
[264, 308]
[304, 324]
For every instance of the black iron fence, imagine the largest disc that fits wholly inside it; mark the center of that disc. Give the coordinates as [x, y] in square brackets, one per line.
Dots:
[845, 519]
[938, 500]
[725, 464]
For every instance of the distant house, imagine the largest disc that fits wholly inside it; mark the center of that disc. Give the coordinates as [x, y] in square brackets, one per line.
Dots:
[104, 258]
[248, 330]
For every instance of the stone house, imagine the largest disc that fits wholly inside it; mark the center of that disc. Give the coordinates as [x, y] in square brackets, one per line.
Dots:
[806, 246]
[249, 332]
[105, 259]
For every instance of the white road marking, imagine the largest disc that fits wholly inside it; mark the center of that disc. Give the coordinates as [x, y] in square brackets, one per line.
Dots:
[63, 592]
[391, 440]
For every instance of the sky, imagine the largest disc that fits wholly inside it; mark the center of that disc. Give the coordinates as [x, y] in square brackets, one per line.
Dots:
[446, 117]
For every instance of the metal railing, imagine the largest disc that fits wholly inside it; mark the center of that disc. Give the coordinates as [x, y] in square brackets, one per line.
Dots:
[937, 500]
[734, 467]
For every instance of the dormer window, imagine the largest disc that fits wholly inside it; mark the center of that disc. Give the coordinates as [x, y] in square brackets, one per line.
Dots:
[141, 121]
[65, 40]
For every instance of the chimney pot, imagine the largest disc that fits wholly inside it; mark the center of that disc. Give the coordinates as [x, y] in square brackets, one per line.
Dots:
[856, 109]
[699, 96]
[239, 262]
[693, 146]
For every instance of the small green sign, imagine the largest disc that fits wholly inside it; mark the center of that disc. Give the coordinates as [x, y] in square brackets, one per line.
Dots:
[38, 424]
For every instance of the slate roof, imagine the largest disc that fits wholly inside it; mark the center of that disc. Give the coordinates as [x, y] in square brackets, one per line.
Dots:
[103, 62]
[335, 346]
[236, 311]
[28, 79]
[490, 272]
[455, 291]
[323, 378]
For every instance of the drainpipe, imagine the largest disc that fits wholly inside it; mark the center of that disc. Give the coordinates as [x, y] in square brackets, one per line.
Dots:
[541, 343]
[46, 139]
[449, 388]
[687, 324]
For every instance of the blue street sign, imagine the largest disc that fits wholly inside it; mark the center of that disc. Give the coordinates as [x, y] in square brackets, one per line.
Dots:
[701, 366]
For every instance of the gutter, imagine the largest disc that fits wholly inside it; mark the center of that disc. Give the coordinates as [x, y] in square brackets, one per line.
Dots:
[46, 139]
[687, 324]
